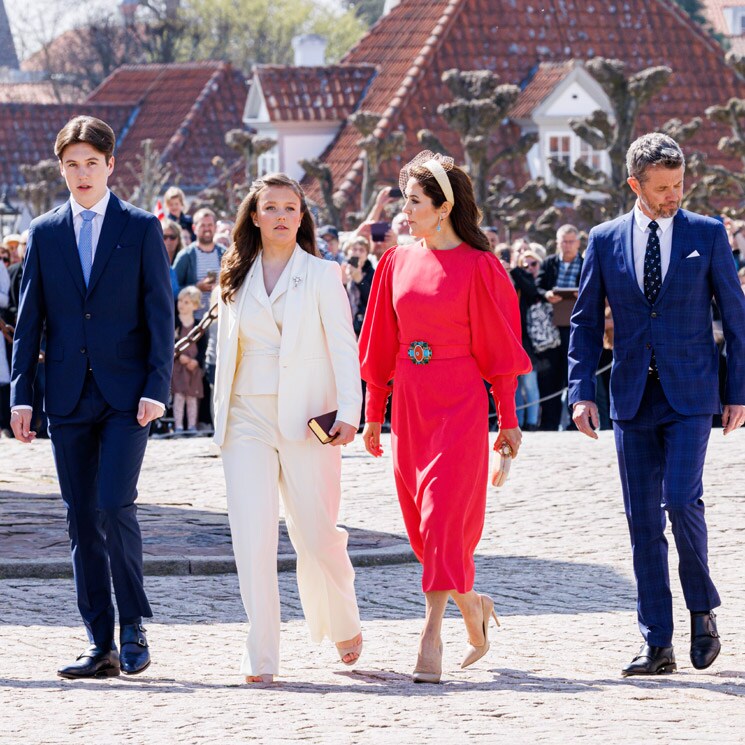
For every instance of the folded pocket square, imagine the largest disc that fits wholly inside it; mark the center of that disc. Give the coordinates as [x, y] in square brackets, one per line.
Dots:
[693, 254]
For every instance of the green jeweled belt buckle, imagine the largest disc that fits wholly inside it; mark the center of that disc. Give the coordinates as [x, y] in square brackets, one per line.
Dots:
[420, 353]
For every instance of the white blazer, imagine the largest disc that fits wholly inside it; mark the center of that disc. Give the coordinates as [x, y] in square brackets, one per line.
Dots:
[319, 368]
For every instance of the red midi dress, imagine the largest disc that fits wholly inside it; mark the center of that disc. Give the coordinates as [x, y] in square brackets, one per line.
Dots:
[461, 303]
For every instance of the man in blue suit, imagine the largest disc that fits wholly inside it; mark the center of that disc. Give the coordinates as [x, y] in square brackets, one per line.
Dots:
[659, 267]
[96, 280]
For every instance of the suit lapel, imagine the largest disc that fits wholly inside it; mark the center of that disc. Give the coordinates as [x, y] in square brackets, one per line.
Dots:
[680, 240]
[69, 247]
[294, 301]
[256, 284]
[627, 251]
[113, 224]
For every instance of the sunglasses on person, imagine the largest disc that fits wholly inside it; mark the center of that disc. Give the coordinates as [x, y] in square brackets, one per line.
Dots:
[530, 264]
[169, 237]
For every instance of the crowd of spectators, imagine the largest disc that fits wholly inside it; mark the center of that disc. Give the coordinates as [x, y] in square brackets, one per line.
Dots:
[545, 282]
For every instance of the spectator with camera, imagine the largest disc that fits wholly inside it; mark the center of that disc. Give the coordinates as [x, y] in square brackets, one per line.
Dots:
[358, 276]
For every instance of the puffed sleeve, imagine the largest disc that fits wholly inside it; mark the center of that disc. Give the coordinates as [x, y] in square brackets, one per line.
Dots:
[496, 336]
[379, 340]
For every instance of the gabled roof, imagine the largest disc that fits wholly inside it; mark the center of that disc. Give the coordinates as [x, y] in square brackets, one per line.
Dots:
[185, 109]
[547, 76]
[28, 131]
[420, 39]
[311, 94]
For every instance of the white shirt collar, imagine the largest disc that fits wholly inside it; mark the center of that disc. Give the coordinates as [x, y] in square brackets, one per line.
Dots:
[643, 221]
[99, 207]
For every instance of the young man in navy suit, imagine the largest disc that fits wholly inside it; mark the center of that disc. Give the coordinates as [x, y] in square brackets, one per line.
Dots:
[96, 281]
[660, 267]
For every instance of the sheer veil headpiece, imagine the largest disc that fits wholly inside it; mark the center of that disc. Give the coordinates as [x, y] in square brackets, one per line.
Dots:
[438, 166]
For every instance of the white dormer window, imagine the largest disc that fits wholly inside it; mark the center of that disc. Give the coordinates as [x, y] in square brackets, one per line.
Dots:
[573, 94]
[734, 16]
[569, 148]
[268, 162]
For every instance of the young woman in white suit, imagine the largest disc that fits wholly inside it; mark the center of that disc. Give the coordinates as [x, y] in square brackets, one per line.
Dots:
[286, 352]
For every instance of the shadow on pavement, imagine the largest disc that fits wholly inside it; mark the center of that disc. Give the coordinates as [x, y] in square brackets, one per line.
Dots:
[389, 683]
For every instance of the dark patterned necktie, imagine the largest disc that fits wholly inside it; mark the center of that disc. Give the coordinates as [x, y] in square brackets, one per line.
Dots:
[652, 274]
[652, 264]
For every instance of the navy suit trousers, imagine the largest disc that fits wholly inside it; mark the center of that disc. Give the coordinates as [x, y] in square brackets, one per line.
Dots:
[98, 452]
[661, 457]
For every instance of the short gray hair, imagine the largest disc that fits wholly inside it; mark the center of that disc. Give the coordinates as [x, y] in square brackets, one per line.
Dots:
[564, 229]
[653, 149]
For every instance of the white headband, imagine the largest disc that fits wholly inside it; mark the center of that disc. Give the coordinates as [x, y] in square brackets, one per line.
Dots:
[435, 168]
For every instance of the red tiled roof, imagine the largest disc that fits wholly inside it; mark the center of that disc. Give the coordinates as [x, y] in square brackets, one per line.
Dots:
[328, 93]
[186, 109]
[41, 92]
[546, 78]
[420, 39]
[28, 131]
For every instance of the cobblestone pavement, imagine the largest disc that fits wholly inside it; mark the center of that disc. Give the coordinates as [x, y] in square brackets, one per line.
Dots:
[554, 556]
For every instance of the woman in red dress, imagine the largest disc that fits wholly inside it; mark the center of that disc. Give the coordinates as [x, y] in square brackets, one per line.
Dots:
[442, 317]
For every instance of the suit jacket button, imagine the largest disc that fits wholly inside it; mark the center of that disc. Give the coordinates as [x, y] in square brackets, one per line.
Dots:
[83, 350]
[649, 346]
[654, 314]
[87, 316]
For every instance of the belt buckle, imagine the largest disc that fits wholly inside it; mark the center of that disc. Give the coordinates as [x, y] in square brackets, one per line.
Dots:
[420, 353]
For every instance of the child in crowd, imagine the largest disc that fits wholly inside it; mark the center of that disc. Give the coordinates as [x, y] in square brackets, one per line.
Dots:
[187, 383]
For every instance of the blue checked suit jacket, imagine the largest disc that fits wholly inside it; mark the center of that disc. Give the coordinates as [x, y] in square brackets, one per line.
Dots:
[678, 326]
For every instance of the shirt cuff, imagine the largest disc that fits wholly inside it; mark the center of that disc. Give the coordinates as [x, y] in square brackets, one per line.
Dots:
[22, 407]
[157, 403]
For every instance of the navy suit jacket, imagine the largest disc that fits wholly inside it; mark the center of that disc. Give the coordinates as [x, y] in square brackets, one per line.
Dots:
[122, 322]
[678, 326]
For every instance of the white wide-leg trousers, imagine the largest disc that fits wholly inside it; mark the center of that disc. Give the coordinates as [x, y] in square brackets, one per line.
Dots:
[258, 463]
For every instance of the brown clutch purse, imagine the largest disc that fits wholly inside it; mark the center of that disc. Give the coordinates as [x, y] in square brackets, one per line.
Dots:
[321, 425]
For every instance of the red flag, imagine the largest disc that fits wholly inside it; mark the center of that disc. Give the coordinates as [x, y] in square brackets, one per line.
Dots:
[158, 211]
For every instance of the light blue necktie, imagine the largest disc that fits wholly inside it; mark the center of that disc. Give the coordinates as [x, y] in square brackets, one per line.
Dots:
[85, 243]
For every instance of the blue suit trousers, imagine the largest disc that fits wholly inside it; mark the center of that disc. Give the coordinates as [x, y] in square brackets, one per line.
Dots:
[661, 457]
[98, 452]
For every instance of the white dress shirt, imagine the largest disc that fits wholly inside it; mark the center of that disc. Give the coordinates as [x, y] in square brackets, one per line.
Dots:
[641, 236]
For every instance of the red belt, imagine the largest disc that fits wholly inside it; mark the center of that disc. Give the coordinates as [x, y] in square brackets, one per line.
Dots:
[422, 353]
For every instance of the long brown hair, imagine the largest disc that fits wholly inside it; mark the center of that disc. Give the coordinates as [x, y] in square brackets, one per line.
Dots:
[465, 216]
[244, 249]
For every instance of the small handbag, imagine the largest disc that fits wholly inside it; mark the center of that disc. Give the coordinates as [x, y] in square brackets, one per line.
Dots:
[500, 465]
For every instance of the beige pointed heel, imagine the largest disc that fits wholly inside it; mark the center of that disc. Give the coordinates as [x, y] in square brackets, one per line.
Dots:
[265, 678]
[474, 653]
[354, 649]
[421, 675]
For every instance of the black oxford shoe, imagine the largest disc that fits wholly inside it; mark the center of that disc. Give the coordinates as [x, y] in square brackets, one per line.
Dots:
[93, 663]
[705, 644]
[134, 655]
[651, 661]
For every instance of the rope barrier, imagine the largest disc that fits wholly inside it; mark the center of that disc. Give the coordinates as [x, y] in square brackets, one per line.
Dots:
[554, 395]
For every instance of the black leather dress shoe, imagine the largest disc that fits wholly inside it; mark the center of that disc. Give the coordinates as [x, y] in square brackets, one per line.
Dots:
[651, 661]
[134, 655]
[93, 663]
[705, 644]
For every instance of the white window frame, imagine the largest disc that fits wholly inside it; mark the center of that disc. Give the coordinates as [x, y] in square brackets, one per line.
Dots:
[576, 148]
[268, 162]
